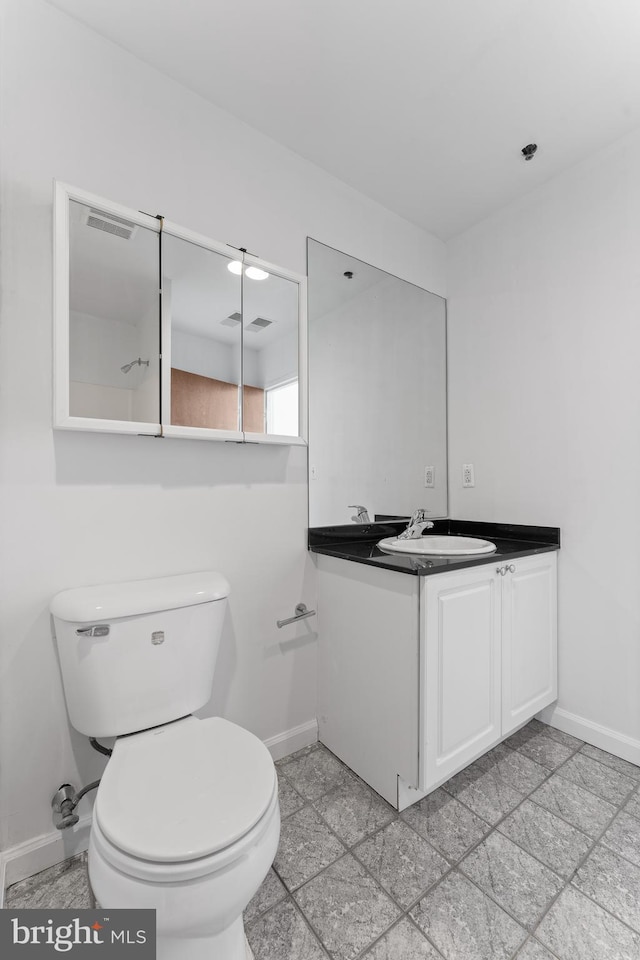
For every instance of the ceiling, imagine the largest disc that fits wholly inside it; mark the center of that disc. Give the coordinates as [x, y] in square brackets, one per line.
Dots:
[422, 105]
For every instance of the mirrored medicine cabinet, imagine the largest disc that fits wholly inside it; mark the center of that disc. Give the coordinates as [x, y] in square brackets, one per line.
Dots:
[377, 391]
[164, 332]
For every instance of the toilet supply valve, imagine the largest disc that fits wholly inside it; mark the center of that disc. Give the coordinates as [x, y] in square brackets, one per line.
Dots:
[64, 802]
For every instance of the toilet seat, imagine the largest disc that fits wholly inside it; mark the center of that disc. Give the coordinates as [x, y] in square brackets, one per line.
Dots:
[183, 793]
[176, 872]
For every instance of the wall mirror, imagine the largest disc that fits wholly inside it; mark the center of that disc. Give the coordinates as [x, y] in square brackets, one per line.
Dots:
[159, 330]
[377, 391]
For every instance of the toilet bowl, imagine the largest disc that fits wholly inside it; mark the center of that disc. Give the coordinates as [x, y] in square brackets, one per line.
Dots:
[186, 818]
[192, 840]
[187, 822]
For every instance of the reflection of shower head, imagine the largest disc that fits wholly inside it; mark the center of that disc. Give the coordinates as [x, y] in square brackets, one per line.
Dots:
[133, 363]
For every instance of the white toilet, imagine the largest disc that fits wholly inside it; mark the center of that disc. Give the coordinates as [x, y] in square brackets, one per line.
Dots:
[186, 819]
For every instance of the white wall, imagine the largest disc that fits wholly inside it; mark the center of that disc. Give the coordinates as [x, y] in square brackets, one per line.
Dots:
[81, 508]
[204, 356]
[98, 347]
[279, 360]
[544, 388]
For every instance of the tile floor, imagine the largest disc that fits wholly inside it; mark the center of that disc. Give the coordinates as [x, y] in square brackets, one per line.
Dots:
[532, 853]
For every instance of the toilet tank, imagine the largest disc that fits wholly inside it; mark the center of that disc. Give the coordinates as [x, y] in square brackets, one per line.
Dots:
[138, 654]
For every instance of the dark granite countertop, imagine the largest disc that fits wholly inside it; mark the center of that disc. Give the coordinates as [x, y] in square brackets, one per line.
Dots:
[357, 542]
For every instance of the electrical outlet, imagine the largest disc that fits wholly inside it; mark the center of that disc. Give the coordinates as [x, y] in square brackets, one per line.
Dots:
[429, 476]
[468, 478]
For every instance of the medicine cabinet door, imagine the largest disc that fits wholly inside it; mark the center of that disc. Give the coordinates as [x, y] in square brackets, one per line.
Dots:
[201, 340]
[107, 316]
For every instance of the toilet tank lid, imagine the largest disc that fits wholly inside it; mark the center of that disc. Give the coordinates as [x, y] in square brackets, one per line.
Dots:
[108, 601]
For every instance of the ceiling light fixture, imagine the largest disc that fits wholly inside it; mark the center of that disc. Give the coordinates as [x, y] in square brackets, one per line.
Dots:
[529, 151]
[254, 273]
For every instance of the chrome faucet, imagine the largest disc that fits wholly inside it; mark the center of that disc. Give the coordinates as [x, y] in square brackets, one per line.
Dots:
[362, 515]
[417, 525]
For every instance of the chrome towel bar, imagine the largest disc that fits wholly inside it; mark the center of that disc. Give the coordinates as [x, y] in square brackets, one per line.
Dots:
[301, 614]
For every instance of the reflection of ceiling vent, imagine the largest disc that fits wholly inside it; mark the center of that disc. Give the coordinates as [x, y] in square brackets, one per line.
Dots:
[232, 320]
[109, 223]
[259, 324]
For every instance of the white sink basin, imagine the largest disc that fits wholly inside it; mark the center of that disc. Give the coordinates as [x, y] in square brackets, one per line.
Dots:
[438, 546]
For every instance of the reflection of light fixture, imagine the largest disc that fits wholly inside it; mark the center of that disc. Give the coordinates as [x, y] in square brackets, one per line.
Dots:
[254, 273]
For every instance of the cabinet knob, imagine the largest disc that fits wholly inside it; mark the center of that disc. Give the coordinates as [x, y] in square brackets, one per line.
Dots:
[501, 570]
[511, 568]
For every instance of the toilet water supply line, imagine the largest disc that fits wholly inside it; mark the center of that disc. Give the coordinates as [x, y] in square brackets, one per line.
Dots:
[65, 799]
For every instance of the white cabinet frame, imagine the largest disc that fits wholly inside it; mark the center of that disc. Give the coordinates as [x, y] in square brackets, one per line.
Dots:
[62, 419]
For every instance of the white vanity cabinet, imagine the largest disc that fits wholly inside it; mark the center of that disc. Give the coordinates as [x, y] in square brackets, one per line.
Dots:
[419, 676]
[488, 655]
[460, 670]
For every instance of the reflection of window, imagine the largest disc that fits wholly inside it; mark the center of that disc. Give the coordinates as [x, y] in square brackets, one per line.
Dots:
[282, 408]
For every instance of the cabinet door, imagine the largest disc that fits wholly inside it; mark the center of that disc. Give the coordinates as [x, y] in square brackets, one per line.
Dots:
[529, 639]
[460, 683]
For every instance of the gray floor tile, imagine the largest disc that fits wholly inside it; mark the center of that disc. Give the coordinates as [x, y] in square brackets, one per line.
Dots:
[64, 886]
[623, 837]
[446, 823]
[306, 847]
[484, 792]
[594, 776]
[633, 805]
[494, 756]
[545, 750]
[270, 893]
[530, 730]
[547, 837]
[313, 772]
[352, 906]
[302, 752]
[533, 950]
[609, 760]
[612, 882]
[403, 942]
[576, 928]
[289, 799]
[465, 924]
[519, 771]
[559, 735]
[346, 908]
[582, 809]
[354, 811]
[282, 934]
[518, 882]
[402, 862]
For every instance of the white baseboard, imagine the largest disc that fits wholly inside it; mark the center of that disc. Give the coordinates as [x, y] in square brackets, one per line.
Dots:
[613, 742]
[25, 859]
[291, 740]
